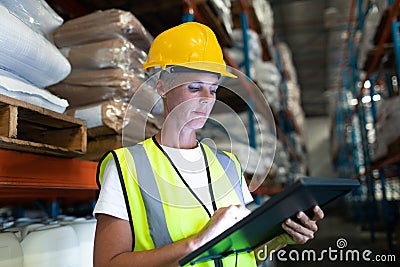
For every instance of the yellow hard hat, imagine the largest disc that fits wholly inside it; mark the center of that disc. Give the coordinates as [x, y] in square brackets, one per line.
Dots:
[191, 45]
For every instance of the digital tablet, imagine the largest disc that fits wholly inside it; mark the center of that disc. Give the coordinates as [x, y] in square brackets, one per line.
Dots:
[264, 223]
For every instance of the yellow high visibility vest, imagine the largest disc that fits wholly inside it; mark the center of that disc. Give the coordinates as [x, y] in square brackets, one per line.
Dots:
[161, 208]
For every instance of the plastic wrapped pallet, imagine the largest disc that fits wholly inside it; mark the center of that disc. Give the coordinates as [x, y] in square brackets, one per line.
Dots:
[223, 8]
[108, 118]
[265, 16]
[105, 118]
[80, 95]
[114, 53]
[287, 61]
[17, 88]
[28, 54]
[298, 115]
[125, 79]
[255, 50]
[36, 14]
[103, 25]
[293, 92]
[268, 79]
[236, 53]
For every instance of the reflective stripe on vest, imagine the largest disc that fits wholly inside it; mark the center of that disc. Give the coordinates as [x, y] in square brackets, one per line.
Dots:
[150, 194]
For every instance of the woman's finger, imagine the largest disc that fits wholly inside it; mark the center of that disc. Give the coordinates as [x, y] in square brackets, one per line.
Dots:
[299, 228]
[298, 235]
[307, 222]
[318, 213]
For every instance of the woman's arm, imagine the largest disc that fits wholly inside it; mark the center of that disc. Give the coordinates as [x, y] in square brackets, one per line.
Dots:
[113, 241]
[113, 247]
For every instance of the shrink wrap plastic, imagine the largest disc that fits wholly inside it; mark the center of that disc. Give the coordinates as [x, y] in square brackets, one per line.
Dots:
[17, 88]
[100, 26]
[80, 95]
[268, 79]
[107, 113]
[28, 54]
[223, 8]
[293, 94]
[125, 79]
[287, 61]
[107, 118]
[255, 49]
[106, 50]
[114, 53]
[265, 16]
[36, 14]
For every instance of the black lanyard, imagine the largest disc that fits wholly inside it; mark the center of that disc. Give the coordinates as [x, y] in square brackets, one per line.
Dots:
[185, 183]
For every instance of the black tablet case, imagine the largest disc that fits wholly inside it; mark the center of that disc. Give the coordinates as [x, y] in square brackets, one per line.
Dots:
[264, 223]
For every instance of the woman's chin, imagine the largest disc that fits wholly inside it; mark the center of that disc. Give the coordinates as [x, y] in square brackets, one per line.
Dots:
[197, 123]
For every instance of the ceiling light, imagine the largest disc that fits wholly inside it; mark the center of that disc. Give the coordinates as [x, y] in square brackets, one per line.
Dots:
[376, 97]
[354, 102]
[367, 84]
[366, 99]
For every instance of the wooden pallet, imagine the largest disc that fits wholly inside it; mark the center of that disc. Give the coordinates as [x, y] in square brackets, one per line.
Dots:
[26, 127]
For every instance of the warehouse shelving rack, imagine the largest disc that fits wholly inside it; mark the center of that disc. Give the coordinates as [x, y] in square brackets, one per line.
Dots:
[25, 177]
[373, 173]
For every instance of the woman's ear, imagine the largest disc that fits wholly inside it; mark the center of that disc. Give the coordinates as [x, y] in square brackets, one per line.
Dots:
[160, 86]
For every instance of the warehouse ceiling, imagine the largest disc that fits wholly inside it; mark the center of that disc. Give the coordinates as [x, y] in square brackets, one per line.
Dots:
[314, 29]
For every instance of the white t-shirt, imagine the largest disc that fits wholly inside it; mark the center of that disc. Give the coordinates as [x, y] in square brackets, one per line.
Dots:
[189, 162]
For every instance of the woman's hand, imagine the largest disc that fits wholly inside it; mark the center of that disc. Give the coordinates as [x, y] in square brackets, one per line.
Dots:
[222, 219]
[301, 233]
[295, 234]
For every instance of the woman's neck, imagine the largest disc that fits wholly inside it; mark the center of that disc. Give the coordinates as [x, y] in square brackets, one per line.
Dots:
[184, 139]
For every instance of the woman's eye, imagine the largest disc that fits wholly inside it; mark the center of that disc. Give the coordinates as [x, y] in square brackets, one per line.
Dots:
[213, 89]
[193, 88]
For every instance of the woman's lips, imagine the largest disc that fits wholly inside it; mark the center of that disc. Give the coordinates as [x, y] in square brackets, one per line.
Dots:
[200, 113]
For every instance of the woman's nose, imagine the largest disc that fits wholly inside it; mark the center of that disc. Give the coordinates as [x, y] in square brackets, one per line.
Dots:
[206, 97]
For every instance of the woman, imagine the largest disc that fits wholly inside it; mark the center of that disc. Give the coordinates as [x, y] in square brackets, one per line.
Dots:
[168, 195]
